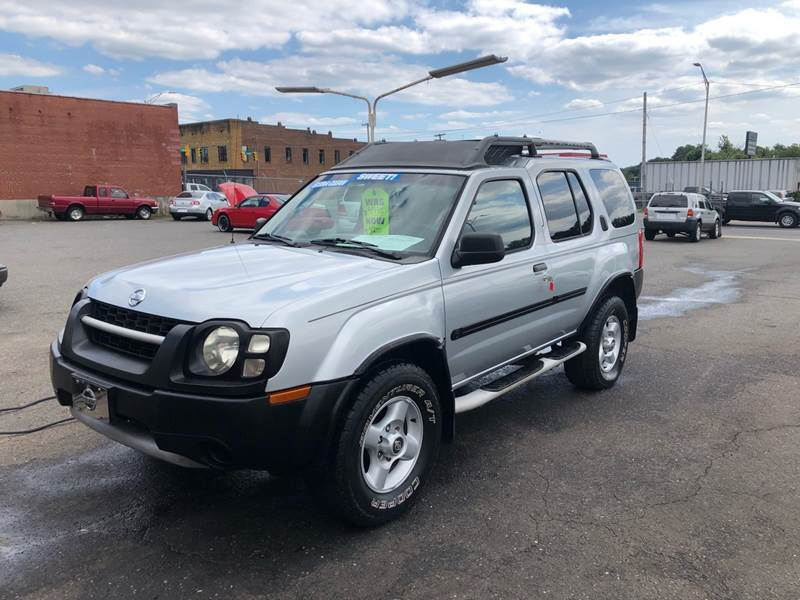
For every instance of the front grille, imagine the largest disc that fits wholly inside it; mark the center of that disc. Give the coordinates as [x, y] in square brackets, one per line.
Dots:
[129, 319]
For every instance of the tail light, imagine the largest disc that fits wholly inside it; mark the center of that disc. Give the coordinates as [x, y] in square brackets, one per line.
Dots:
[645, 212]
[641, 248]
[690, 213]
[195, 202]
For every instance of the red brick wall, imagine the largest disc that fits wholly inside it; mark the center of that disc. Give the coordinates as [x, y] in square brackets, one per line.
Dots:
[56, 145]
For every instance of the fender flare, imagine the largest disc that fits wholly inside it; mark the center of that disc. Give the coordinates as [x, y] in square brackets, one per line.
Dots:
[626, 280]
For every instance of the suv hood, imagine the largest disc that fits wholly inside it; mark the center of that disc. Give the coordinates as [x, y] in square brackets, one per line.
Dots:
[248, 282]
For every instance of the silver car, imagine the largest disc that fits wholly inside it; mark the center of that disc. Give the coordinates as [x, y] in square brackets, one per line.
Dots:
[196, 204]
[345, 347]
[687, 213]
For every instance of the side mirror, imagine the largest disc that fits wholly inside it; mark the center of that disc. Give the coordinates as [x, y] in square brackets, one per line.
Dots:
[478, 249]
[260, 222]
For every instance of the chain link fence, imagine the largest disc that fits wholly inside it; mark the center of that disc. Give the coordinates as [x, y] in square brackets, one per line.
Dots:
[263, 185]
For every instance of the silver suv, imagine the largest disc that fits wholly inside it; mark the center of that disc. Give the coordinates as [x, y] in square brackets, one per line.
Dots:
[687, 213]
[346, 346]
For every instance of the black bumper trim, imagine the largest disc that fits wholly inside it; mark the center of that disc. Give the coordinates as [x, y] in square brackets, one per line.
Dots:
[215, 431]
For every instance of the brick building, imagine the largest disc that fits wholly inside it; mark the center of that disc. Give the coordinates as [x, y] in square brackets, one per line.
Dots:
[278, 158]
[53, 144]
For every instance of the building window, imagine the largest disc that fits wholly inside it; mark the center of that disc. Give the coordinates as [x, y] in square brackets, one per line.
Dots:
[322, 157]
[337, 156]
[288, 154]
[204, 154]
[267, 154]
[222, 153]
[194, 155]
[305, 156]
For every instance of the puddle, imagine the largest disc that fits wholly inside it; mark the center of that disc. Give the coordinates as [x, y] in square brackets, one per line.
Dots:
[721, 288]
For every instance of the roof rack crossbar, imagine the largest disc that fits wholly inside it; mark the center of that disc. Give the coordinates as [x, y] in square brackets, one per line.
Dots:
[487, 145]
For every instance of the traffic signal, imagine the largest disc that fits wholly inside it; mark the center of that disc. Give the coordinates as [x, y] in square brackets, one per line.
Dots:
[186, 150]
[244, 153]
[255, 156]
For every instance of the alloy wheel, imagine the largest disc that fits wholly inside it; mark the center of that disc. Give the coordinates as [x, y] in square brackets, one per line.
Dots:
[610, 343]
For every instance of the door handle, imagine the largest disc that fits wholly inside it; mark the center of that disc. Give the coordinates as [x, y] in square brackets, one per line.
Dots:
[539, 267]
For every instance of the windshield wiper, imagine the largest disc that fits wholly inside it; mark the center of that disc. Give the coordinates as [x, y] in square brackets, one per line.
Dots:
[277, 238]
[343, 242]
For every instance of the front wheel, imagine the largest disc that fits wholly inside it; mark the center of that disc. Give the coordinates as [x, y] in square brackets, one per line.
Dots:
[224, 223]
[143, 213]
[606, 339]
[384, 449]
[787, 220]
[716, 233]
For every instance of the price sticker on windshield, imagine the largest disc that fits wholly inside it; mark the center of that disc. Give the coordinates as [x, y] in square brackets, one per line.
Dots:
[375, 211]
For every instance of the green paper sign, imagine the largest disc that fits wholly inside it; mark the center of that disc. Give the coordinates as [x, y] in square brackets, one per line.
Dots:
[375, 211]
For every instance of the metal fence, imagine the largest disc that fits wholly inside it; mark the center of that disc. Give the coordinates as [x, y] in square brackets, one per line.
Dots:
[725, 175]
[263, 185]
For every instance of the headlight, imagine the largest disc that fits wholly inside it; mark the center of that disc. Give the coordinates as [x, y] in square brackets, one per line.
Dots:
[220, 350]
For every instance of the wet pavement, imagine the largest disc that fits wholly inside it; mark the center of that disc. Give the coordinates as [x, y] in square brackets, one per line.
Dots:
[681, 482]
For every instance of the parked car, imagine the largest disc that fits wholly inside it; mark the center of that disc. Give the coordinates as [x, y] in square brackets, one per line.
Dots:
[245, 214]
[98, 199]
[687, 213]
[196, 204]
[196, 187]
[476, 266]
[755, 205]
[3, 274]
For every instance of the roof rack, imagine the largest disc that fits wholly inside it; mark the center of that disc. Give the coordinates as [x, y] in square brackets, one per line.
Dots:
[461, 154]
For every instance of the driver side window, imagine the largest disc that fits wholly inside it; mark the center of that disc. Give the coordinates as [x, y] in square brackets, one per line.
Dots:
[501, 207]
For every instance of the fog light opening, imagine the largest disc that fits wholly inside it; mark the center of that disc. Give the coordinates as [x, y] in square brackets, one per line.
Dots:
[253, 367]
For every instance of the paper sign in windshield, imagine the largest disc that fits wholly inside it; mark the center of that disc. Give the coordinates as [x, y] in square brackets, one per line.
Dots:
[375, 211]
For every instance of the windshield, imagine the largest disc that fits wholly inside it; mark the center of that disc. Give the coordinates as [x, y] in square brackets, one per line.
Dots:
[773, 196]
[400, 213]
[668, 201]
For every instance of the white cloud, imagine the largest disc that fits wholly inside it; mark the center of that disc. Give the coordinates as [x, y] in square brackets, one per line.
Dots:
[16, 65]
[583, 103]
[303, 120]
[370, 76]
[94, 69]
[190, 108]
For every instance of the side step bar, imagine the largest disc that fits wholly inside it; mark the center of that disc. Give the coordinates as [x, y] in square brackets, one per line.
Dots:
[529, 370]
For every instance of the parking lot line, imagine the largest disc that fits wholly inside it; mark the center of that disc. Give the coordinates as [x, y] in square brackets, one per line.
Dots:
[753, 237]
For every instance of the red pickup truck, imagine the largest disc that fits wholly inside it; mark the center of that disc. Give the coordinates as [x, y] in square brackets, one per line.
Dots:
[99, 199]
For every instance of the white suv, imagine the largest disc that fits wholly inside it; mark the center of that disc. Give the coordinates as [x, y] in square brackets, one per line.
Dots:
[681, 212]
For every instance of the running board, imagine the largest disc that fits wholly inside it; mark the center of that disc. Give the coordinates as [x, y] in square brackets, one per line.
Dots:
[531, 369]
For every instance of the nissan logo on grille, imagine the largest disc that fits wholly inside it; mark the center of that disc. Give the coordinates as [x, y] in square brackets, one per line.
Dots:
[136, 298]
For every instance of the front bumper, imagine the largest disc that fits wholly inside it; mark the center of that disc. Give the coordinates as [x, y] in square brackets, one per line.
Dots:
[686, 226]
[198, 430]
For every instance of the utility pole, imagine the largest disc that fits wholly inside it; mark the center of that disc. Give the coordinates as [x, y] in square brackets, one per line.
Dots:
[701, 175]
[643, 168]
[439, 136]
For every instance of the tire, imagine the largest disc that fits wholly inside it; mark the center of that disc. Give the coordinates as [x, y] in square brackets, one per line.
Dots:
[224, 223]
[208, 214]
[716, 233]
[671, 234]
[588, 371]
[176, 217]
[787, 220]
[144, 213]
[696, 235]
[725, 220]
[75, 213]
[347, 482]
[649, 235]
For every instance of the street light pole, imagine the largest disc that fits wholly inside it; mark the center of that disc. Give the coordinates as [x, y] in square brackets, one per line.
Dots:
[372, 119]
[702, 173]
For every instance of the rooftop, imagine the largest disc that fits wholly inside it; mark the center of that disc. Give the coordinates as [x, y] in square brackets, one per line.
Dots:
[462, 154]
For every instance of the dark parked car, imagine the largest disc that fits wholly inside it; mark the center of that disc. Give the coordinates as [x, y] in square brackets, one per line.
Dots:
[754, 205]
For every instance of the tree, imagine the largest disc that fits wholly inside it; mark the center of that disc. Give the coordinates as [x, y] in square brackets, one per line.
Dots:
[687, 152]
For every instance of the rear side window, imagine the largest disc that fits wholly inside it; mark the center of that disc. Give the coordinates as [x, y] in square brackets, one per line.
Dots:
[616, 196]
[668, 201]
[501, 207]
[565, 205]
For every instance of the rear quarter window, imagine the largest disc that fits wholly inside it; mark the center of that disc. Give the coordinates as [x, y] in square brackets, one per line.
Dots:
[616, 196]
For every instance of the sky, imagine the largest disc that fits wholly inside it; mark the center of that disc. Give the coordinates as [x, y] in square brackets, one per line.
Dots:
[576, 70]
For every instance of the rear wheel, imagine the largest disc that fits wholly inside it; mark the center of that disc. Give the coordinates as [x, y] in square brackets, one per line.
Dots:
[143, 213]
[671, 234]
[224, 223]
[787, 220]
[716, 233]
[606, 339]
[209, 212]
[75, 213]
[176, 217]
[384, 450]
[649, 234]
[697, 234]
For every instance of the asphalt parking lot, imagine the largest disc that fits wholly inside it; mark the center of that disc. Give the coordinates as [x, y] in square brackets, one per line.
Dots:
[681, 482]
